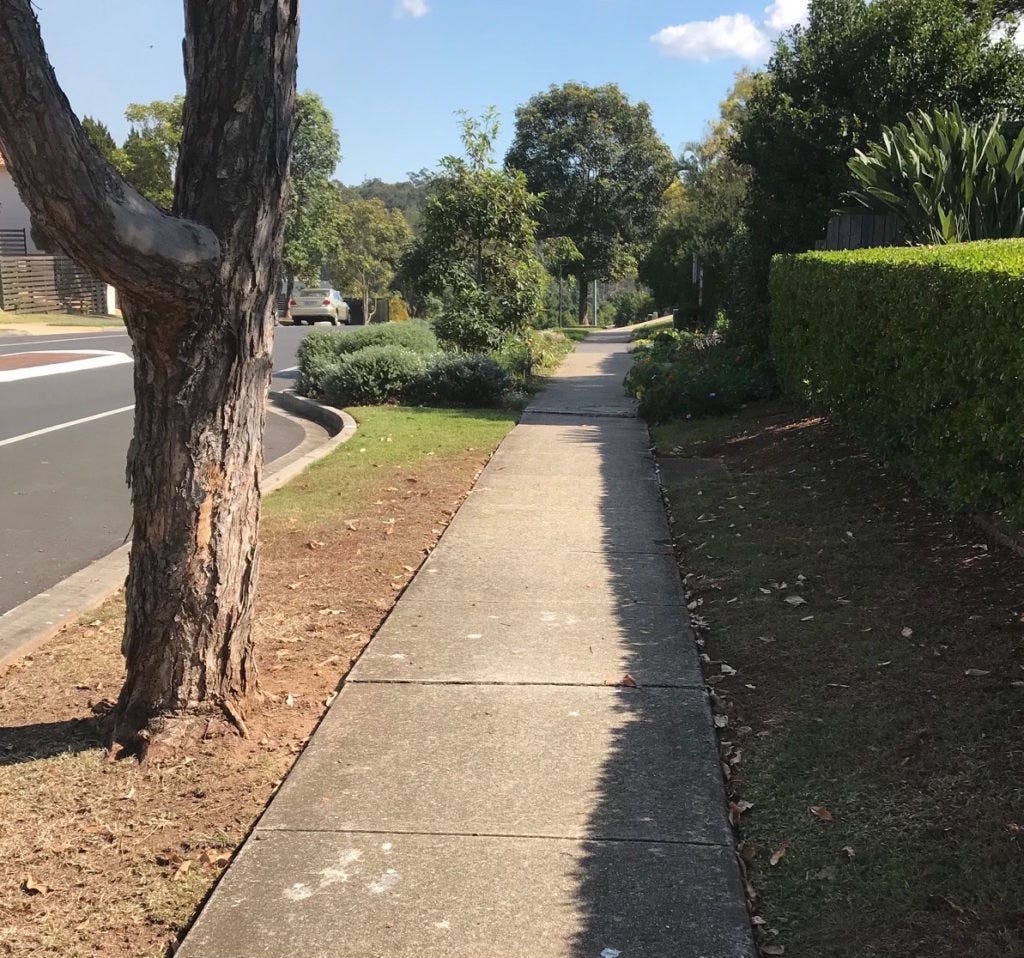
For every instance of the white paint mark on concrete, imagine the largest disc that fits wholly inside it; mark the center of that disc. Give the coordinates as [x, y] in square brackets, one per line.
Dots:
[574, 714]
[443, 925]
[610, 953]
[91, 359]
[298, 892]
[339, 873]
[474, 635]
[63, 425]
[548, 617]
[385, 883]
[397, 655]
[386, 847]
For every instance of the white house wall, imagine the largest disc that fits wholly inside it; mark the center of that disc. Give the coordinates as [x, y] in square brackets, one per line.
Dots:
[14, 213]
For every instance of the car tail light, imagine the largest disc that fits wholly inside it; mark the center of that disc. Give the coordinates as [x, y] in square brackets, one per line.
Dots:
[292, 302]
[327, 302]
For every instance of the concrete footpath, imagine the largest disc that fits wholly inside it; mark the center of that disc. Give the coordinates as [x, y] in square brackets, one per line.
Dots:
[480, 787]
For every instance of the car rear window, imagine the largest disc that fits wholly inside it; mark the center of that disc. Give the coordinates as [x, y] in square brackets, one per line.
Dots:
[314, 292]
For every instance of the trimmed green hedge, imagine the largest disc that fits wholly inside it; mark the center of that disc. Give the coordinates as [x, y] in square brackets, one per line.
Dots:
[920, 353]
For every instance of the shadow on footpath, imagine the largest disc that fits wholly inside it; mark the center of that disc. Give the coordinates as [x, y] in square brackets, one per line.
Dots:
[658, 876]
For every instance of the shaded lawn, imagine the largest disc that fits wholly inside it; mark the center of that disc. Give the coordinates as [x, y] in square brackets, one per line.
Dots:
[892, 695]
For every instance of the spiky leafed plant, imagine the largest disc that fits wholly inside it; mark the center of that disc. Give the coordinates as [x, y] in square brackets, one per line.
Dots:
[947, 180]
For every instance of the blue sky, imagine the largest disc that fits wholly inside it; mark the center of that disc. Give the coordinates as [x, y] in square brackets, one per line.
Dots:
[393, 72]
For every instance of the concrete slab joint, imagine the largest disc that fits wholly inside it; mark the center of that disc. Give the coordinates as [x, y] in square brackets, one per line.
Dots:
[485, 785]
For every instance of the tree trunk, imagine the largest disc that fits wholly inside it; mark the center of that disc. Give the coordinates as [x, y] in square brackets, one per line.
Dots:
[197, 289]
[194, 469]
[583, 311]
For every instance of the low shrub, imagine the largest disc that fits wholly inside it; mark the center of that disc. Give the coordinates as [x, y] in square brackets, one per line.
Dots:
[320, 351]
[372, 376]
[463, 379]
[629, 308]
[679, 373]
[920, 353]
[537, 351]
[466, 331]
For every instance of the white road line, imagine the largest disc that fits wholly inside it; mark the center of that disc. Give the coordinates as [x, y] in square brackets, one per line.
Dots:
[91, 359]
[64, 425]
[81, 422]
[18, 343]
[290, 369]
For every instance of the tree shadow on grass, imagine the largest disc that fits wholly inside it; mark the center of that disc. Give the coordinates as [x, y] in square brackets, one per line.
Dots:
[22, 744]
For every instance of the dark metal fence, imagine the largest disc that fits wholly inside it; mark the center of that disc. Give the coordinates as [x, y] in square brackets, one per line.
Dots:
[861, 230]
[13, 243]
[48, 284]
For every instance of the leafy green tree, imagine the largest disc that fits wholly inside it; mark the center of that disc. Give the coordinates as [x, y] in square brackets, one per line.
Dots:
[601, 168]
[317, 223]
[374, 242]
[408, 196]
[702, 213]
[151, 149]
[477, 245]
[830, 88]
[560, 255]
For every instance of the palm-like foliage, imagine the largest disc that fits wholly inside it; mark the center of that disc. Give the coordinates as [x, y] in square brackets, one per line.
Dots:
[947, 180]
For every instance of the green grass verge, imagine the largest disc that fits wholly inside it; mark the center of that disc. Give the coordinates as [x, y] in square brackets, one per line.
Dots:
[389, 437]
[892, 695]
[57, 319]
[576, 333]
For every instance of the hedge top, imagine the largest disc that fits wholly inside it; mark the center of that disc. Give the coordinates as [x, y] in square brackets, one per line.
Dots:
[996, 256]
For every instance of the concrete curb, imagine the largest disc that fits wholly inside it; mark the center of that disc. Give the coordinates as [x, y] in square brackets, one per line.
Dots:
[27, 626]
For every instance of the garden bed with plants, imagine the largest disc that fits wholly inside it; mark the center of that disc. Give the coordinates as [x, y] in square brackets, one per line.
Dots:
[405, 363]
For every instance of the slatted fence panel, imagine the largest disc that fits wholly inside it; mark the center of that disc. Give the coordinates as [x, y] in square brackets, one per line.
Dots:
[48, 284]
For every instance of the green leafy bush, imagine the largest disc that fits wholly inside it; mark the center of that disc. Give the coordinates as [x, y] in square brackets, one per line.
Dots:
[373, 376]
[947, 180]
[630, 308]
[538, 351]
[467, 331]
[920, 353]
[464, 379]
[320, 351]
[679, 373]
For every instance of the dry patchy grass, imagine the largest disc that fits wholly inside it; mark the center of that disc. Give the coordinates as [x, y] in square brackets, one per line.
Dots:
[101, 859]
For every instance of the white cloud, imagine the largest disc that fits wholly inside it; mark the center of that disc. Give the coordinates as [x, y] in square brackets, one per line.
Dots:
[783, 14]
[411, 8]
[733, 35]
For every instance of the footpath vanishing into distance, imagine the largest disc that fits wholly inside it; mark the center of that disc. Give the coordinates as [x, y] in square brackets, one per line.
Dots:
[480, 788]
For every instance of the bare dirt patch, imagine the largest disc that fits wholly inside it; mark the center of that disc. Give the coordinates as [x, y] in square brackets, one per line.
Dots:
[113, 859]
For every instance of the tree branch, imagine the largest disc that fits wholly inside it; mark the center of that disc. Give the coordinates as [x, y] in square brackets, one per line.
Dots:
[77, 198]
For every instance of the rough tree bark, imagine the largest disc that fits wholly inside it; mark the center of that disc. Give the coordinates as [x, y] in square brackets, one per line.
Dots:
[197, 289]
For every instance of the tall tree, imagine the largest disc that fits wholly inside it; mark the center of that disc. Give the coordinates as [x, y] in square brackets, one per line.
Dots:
[477, 245]
[196, 289]
[151, 149]
[316, 224]
[831, 87]
[601, 168]
[372, 248]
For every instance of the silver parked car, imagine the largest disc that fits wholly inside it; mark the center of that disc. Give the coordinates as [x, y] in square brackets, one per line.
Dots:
[313, 305]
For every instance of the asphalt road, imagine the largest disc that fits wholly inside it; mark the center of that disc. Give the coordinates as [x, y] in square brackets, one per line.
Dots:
[63, 497]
